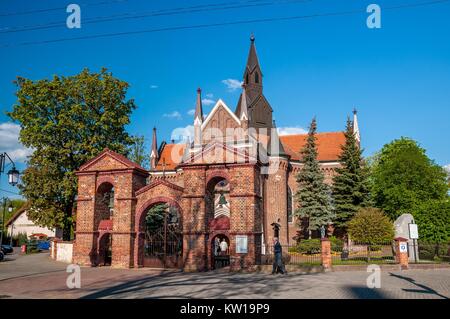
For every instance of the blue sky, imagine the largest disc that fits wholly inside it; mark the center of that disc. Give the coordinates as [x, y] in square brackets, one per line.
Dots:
[398, 77]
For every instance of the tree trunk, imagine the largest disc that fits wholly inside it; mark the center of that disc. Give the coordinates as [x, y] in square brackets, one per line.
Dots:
[368, 253]
[67, 228]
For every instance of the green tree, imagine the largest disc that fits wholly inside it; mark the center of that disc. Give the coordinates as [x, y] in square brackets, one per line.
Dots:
[137, 151]
[155, 217]
[433, 220]
[67, 121]
[371, 226]
[403, 177]
[313, 195]
[351, 188]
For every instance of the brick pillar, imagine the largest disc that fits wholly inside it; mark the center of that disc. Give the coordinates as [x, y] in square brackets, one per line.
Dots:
[326, 254]
[401, 252]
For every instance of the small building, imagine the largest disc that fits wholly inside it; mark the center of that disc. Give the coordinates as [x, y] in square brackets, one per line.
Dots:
[20, 223]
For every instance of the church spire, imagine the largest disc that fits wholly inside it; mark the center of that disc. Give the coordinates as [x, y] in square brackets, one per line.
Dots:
[244, 116]
[356, 126]
[154, 151]
[198, 116]
[198, 120]
[252, 72]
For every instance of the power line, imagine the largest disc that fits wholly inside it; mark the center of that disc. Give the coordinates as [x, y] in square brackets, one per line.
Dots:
[202, 26]
[154, 13]
[6, 191]
[11, 14]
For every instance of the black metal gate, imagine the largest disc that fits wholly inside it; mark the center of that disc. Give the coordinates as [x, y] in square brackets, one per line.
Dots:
[164, 244]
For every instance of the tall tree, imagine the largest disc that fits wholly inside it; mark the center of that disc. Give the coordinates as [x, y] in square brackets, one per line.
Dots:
[67, 121]
[403, 177]
[137, 152]
[350, 184]
[313, 195]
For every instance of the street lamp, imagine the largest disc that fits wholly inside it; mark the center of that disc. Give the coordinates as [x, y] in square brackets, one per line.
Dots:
[13, 174]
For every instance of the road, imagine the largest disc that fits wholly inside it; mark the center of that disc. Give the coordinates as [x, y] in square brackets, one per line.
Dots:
[37, 276]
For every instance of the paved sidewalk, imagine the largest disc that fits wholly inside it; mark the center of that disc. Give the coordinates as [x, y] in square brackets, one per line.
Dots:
[48, 280]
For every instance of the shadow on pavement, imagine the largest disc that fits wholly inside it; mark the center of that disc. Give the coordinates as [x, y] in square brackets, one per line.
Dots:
[424, 290]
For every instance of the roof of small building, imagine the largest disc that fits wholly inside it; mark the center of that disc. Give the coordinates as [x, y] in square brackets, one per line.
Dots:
[19, 212]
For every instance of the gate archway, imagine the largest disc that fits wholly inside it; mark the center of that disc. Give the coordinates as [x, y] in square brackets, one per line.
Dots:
[161, 236]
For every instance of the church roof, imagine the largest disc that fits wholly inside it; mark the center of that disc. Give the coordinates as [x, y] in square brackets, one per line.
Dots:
[166, 160]
[328, 145]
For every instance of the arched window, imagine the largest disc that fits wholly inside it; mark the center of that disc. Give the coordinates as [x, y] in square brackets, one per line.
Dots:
[256, 77]
[246, 78]
[290, 204]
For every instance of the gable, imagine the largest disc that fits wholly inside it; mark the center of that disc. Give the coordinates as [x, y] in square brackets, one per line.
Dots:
[109, 160]
[261, 112]
[221, 117]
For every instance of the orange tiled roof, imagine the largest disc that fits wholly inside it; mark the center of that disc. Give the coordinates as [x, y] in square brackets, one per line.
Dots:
[170, 160]
[328, 145]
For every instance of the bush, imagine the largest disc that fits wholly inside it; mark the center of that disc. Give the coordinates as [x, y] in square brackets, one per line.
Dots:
[20, 239]
[429, 251]
[371, 226]
[337, 245]
[309, 246]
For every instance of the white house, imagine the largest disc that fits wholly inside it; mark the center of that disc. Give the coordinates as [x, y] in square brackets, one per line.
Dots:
[19, 223]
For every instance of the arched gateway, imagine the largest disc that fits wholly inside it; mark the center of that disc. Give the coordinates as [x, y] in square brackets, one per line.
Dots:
[127, 220]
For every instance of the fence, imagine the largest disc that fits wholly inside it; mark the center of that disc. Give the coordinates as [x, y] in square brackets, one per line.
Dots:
[292, 255]
[425, 253]
[363, 253]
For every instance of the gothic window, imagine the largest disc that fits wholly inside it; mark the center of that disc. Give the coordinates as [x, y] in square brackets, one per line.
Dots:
[290, 202]
[256, 77]
[246, 78]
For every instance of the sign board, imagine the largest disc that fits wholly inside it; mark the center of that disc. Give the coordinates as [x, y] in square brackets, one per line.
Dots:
[413, 231]
[403, 247]
[241, 244]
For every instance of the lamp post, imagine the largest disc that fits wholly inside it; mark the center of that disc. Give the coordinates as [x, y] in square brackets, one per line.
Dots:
[10, 209]
[13, 179]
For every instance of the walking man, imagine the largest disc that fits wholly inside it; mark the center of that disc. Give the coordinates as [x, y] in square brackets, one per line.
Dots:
[278, 258]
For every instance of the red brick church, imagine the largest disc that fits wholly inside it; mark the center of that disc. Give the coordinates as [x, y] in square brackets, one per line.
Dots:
[223, 195]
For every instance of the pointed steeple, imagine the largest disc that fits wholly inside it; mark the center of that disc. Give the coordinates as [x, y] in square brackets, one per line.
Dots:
[154, 151]
[244, 116]
[252, 73]
[356, 126]
[198, 120]
[198, 116]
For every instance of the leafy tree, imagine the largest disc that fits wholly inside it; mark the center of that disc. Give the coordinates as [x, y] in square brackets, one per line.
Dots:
[313, 195]
[155, 217]
[137, 152]
[350, 185]
[403, 177]
[371, 226]
[67, 121]
[433, 221]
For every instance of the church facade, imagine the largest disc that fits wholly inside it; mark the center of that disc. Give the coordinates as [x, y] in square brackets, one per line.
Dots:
[217, 200]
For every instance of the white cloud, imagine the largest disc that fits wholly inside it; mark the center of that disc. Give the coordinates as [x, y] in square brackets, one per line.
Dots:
[447, 168]
[232, 84]
[153, 86]
[9, 142]
[183, 134]
[191, 112]
[208, 101]
[173, 115]
[209, 95]
[291, 130]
